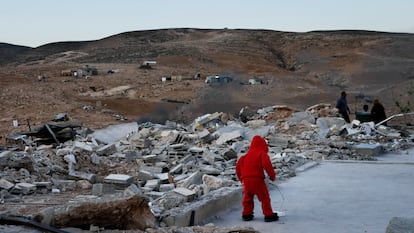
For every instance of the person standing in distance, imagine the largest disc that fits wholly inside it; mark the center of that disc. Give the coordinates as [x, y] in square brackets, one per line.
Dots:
[250, 171]
[378, 112]
[342, 106]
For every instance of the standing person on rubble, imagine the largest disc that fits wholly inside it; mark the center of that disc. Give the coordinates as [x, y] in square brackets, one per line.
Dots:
[342, 106]
[250, 171]
[378, 112]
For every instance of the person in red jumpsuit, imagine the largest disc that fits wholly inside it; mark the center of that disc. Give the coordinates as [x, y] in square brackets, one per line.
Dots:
[250, 171]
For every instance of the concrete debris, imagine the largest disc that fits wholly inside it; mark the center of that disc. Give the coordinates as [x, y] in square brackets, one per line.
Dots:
[53, 132]
[180, 175]
[113, 213]
[400, 225]
[368, 149]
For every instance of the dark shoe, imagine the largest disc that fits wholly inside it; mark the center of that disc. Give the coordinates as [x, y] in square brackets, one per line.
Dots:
[248, 217]
[271, 218]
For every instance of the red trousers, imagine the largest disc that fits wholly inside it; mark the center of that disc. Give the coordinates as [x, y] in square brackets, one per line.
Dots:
[256, 186]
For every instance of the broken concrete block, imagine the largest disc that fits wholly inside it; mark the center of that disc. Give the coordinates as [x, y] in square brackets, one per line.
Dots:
[230, 154]
[145, 175]
[178, 146]
[166, 187]
[131, 156]
[4, 157]
[202, 119]
[228, 136]
[181, 177]
[188, 194]
[118, 155]
[255, 123]
[63, 151]
[205, 136]
[278, 141]
[187, 159]
[194, 178]
[152, 169]
[262, 131]
[5, 184]
[23, 188]
[210, 170]
[64, 185]
[150, 158]
[163, 165]
[43, 187]
[118, 179]
[20, 160]
[211, 183]
[368, 149]
[114, 133]
[329, 125]
[83, 176]
[168, 201]
[157, 150]
[237, 147]
[100, 189]
[177, 169]
[141, 143]
[387, 131]
[209, 205]
[95, 159]
[246, 114]
[263, 112]
[300, 116]
[83, 184]
[82, 146]
[70, 159]
[211, 157]
[133, 189]
[154, 194]
[196, 150]
[107, 149]
[153, 184]
[163, 177]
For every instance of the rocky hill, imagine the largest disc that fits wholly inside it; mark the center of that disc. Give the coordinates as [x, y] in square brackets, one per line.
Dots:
[295, 69]
[10, 53]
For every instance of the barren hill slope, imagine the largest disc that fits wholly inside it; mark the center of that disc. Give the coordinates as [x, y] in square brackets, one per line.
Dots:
[299, 69]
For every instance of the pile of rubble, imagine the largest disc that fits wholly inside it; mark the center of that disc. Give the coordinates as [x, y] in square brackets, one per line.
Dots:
[144, 176]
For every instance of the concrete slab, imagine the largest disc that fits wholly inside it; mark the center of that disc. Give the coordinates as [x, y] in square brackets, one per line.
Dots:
[368, 149]
[338, 197]
[114, 133]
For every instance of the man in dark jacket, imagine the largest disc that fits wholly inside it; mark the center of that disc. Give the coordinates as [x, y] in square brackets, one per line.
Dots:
[378, 112]
[342, 106]
[250, 171]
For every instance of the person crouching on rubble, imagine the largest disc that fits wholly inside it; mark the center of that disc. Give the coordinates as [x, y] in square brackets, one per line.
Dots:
[250, 171]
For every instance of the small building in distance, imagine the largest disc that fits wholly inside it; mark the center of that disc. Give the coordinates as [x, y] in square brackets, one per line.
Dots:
[147, 64]
[218, 79]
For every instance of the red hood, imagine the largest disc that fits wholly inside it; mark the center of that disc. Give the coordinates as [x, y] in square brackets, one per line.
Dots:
[258, 144]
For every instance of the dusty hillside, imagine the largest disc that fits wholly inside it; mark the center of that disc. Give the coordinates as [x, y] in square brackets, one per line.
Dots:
[299, 69]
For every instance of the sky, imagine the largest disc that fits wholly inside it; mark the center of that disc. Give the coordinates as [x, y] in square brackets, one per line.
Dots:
[38, 22]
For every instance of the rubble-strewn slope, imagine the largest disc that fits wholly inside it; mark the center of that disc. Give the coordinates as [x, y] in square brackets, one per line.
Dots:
[298, 69]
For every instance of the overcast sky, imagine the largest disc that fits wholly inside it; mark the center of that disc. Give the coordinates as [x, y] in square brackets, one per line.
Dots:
[37, 22]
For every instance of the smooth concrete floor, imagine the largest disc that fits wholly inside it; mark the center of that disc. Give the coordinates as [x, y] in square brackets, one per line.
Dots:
[336, 197]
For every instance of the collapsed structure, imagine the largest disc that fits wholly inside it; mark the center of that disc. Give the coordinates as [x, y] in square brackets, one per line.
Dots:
[142, 176]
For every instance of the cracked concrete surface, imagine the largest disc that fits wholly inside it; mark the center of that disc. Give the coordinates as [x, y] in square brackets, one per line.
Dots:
[359, 196]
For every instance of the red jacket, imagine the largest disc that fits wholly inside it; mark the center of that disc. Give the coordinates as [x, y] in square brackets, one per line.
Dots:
[256, 161]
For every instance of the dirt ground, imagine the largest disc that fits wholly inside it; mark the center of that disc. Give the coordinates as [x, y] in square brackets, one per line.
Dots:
[96, 102]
